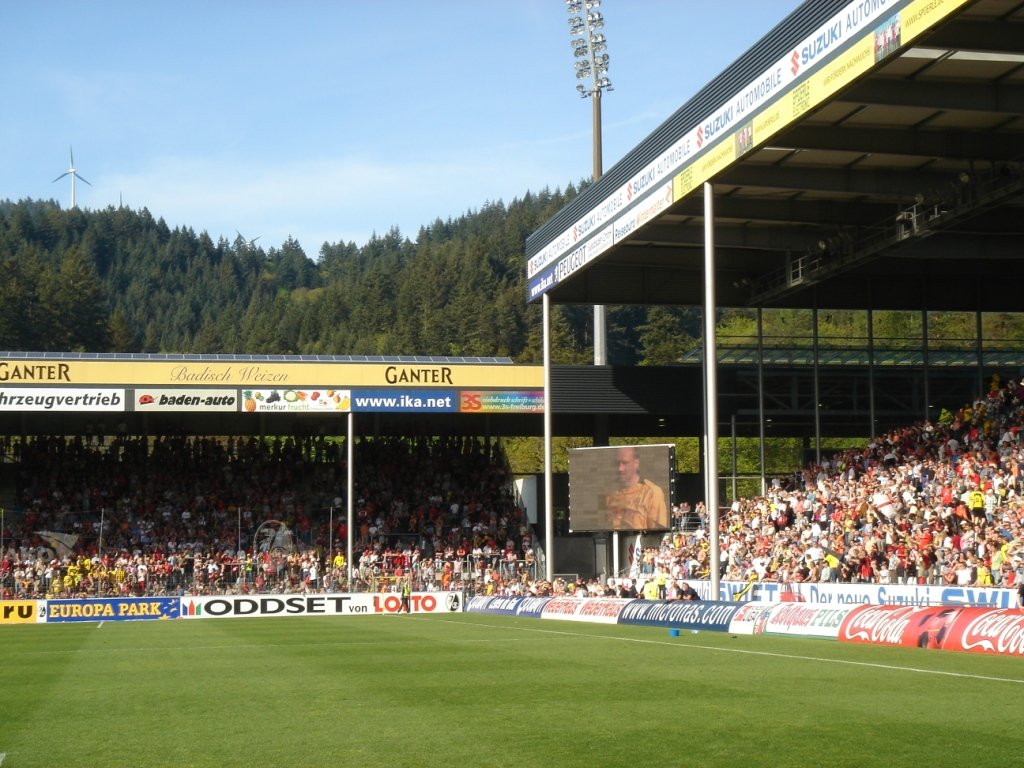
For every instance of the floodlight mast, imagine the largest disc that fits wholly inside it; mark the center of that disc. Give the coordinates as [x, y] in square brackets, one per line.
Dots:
[588, 47]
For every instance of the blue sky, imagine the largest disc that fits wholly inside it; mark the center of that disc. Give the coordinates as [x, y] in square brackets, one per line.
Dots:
[329, 121]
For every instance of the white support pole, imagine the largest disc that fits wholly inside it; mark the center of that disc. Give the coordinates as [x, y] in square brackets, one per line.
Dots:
[349, 488]
[549, 504]
[711, 386]
[615, 554]
[760, 400]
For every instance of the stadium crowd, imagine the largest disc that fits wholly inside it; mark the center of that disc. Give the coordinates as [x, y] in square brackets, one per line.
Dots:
[939, 504]
[172, 515]
[930, 503]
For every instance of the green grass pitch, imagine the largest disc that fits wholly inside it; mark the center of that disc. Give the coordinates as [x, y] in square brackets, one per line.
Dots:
[475, 690]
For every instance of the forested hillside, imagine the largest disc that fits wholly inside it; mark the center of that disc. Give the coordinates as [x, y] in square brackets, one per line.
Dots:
[121, 280]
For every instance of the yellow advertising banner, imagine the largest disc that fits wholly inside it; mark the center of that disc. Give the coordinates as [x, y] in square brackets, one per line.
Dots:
[837, 74]
[769, 120]
[19, 612]
[886, 37]
[683, 183]
[718, 159]
[922, 14]
[274, 373]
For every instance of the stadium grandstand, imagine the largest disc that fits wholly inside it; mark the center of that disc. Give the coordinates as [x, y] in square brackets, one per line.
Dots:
[850, 161]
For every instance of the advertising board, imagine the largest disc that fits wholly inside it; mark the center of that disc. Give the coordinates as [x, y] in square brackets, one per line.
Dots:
[22, 611]
[61, 399]
[267, 606]
[111, 609]
[695, 615]
[950, 628]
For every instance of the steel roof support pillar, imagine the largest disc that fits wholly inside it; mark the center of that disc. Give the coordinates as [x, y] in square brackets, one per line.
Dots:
[760, 397]
[871, 367]
[981, 354]
[816, 379]
[350, 482]
[711, 389]
[549, 503]
[924, 358]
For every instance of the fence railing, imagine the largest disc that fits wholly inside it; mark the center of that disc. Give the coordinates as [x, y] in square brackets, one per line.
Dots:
[237, 577]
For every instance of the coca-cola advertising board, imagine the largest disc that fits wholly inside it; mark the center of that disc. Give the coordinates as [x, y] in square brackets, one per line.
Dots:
[950, 628]
[980, 630]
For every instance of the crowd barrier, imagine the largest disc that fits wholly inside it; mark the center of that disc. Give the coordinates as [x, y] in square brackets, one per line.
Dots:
[990, 626]
[839, 594]
[950, 628]
[223, 606]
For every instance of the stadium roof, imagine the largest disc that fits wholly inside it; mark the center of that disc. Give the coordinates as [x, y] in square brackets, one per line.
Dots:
[244, 358]
[862, 154]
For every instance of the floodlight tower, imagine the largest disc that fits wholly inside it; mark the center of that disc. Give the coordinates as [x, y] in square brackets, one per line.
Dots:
[588, 48]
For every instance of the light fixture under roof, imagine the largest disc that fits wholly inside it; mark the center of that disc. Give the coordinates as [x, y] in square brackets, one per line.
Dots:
[999, 56]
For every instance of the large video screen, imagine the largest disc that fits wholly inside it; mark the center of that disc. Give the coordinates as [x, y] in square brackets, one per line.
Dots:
[621, 488]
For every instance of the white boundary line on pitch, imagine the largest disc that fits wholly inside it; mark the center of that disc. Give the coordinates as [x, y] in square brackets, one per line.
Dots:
[874, 665]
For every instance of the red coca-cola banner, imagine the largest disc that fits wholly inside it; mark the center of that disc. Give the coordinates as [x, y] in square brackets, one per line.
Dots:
[977, 630]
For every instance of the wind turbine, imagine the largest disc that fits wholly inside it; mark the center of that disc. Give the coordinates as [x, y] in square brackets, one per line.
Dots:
[74, 175]
[248, 243]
